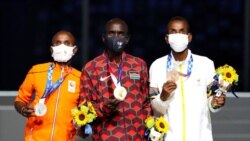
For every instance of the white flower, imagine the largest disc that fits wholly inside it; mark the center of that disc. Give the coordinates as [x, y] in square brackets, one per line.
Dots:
[224, 85]
[155, 136]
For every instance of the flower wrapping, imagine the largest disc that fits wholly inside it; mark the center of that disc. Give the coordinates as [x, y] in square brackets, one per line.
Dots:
[156, 128]
[83, 115]
[225, 79]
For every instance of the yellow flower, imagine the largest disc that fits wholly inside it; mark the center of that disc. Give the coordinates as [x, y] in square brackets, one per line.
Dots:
[83, 114]
[229, 74]
[91, 108]
[161, 125]
[80, 116]
[84, 109]
[150, 122]
[209, 92]
[74, 111]
[219, 70]
[91, 117]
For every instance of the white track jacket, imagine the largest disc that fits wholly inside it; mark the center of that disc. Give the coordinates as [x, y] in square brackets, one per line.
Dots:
[187, 110]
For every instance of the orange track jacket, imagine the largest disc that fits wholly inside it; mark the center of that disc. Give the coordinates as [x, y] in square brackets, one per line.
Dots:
[56, 124]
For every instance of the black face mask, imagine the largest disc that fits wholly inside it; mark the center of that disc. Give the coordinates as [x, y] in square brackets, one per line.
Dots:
[116, 44]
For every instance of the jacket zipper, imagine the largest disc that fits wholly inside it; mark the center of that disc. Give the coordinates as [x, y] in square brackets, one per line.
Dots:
[55, 111]
[183, 107]
[31, 132]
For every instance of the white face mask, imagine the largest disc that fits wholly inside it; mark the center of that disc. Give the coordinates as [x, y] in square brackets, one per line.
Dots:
[62, 53]
[178, 42]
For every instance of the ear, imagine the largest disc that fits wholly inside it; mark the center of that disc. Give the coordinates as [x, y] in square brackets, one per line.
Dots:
[166, 38]
[190, 37]
[75, 50]
[51, 50]
[128, 38]
[103, 38]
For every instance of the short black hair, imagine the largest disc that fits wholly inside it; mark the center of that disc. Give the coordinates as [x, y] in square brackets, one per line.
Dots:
[117, 20]
[64, 32]
[179, 18]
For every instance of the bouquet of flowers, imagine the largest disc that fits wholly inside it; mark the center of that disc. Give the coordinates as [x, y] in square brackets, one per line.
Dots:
[83, 115]
[156, 128]
[225, 79]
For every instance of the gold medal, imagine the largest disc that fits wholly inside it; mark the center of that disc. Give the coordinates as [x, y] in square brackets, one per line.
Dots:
[120, 93]
[40, 109]
[173, 75]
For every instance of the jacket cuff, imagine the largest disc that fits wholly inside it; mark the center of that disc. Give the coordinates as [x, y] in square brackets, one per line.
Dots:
[159, 105]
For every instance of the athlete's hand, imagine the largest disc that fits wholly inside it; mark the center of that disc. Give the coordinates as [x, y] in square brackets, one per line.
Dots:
[218, 101]
[28, 111]
[167, 89]
[113, 103]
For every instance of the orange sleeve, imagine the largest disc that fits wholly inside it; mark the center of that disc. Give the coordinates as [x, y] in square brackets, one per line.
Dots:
[26, 89]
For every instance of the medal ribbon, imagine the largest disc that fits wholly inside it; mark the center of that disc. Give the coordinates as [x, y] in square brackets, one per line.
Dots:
[189, 68]
[114, 79]
[50, 87]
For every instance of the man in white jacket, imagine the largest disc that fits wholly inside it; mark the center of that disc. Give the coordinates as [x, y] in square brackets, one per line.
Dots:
[178, 83]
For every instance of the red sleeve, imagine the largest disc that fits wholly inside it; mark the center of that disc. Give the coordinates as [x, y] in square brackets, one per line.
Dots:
[88, 90]
[145, 89]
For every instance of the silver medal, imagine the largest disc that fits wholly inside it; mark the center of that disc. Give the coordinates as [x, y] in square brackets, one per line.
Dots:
[40, 109]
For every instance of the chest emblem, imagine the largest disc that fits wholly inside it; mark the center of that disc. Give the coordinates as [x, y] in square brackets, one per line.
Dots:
[71, 86]
[134, 75]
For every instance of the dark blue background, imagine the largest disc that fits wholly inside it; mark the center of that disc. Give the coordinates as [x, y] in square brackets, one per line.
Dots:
[27, 27]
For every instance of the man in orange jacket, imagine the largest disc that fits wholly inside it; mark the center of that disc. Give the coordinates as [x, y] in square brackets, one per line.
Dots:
[49, 92]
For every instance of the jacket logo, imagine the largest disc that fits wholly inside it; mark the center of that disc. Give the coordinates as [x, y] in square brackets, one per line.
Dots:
[134, 75]
[104, 78]
[71, 86]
